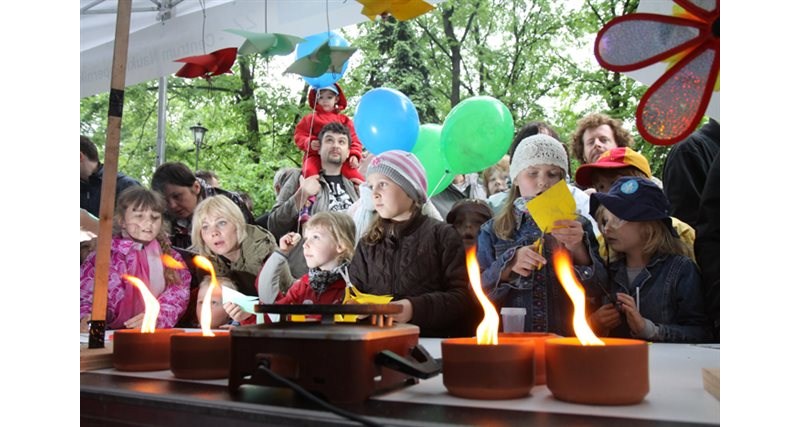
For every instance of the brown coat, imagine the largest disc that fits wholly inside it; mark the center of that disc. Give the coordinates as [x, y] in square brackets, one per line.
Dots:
[422, 260]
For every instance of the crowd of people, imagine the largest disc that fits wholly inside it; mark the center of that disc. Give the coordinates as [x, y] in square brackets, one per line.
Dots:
[646, 252]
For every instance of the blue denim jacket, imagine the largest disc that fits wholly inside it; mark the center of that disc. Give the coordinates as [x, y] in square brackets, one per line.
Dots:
[548, 307]
[670, 295]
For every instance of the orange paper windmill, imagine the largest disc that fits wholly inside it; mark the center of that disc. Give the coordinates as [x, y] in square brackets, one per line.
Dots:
[688, 41]
[205, 66]
[402, 10]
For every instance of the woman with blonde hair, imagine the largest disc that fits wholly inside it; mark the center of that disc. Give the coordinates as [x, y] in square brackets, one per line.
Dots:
[236, 249]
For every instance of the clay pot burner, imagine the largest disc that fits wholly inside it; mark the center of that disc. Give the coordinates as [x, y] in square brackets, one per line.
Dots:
[538, 339]
[137, 351]
[488, 372]
[194, 356]
[616, 373]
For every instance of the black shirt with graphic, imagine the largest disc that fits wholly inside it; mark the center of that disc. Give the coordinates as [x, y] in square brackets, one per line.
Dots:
[339, 200]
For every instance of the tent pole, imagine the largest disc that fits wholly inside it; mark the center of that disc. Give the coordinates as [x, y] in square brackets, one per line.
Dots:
[108, 190]
[161, 143]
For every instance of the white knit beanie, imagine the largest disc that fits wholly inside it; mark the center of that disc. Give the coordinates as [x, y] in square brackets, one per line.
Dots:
[405, 170]
[539, 149]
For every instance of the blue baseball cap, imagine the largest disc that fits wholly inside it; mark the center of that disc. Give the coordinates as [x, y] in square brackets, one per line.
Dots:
[634, 198]
[331, 88]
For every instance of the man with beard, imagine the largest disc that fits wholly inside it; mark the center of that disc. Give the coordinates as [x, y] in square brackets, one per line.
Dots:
[597, 133]
[301, 198]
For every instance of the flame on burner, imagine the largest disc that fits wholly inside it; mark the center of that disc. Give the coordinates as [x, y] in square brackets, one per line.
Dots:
[566, 275]
[487, 329]
[205, 310]
[151, 305]
[171, 262]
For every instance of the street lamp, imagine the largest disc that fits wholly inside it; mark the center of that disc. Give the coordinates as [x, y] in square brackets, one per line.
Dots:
[199, 133]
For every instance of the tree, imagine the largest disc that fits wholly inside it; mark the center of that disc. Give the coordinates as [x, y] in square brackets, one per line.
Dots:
[529, 54]
[612, 93]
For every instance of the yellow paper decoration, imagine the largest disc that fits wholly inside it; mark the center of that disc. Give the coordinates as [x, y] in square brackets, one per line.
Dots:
[354, 296]
[555, 204]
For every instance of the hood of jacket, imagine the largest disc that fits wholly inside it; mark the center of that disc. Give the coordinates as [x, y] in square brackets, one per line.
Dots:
[340, 105]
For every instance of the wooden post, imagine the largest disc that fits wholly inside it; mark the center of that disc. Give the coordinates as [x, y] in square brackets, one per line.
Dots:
[108, 191]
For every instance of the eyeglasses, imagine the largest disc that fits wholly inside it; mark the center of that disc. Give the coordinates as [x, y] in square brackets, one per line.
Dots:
[610, 222]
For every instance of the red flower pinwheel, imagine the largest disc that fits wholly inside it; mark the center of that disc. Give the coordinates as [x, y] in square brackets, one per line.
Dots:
[205, 66]
[673, 106]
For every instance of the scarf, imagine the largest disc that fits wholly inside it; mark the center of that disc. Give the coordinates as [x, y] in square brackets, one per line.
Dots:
[319, 280]
[520, 210]
[148, 268]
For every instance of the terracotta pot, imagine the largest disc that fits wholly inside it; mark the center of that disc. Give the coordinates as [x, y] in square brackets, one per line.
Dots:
[538, 338]
[614, 374]
[488, 372]
[137, 351]
[194, 356]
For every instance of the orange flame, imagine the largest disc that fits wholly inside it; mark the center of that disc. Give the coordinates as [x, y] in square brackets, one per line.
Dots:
[151, 305]
[205, 311]
[487, 330]
[566, 275]
[172, 263]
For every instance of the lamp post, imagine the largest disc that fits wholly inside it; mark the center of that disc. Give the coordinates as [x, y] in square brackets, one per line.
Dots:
[199, 133]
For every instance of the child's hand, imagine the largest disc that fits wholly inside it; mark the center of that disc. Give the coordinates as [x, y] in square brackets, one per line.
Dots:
[605, 319]
[354, 162]
[85, 323]
[526, 259]
[310, 186]
[635, 320]
[568, 232]
[135, 322]
[235, 312]
[288, 242]
[315, 145]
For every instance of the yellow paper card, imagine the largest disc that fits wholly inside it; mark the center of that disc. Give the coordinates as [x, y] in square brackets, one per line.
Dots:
[353, 294]
[553, 205]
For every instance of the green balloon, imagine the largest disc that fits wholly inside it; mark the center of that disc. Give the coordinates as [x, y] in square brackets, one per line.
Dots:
[476, 134]
[428, 150]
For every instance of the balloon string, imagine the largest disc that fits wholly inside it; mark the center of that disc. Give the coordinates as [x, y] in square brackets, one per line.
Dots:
[446, 172]
[311, 127]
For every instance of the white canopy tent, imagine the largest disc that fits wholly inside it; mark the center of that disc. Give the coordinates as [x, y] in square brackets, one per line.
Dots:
[165, 30]
[162, 31]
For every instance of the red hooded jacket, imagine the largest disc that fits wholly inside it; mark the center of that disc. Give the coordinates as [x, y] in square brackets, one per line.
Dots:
[304, 133]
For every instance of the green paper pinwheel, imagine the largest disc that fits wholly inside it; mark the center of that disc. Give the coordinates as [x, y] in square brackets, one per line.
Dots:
[267, 44]
[323, 59]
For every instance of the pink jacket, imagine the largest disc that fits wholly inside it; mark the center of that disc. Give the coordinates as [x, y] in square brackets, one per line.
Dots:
[174, 299]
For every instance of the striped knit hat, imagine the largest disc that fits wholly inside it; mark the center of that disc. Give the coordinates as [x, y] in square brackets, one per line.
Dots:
[405, 170]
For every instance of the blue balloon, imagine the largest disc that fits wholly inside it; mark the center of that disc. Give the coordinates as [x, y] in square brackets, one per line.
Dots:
[386, 119]
[311, 43]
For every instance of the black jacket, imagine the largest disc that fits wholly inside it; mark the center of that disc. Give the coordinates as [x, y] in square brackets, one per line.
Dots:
[421, 260]
[90, 190]
[686, 170]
